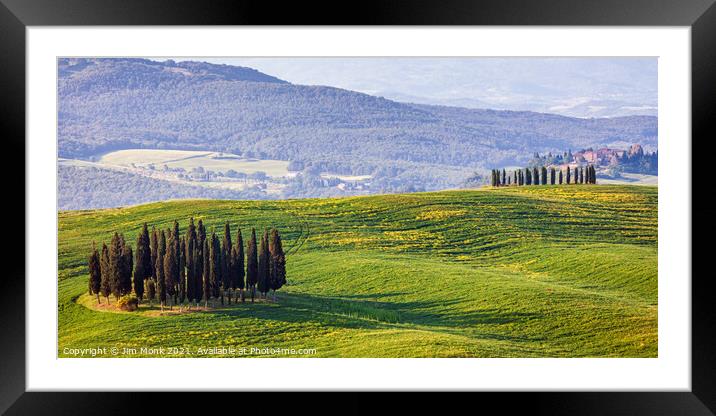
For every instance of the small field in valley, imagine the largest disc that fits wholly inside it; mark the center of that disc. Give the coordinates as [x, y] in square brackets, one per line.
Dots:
[531, 271]
[631, 179]
[189, 159]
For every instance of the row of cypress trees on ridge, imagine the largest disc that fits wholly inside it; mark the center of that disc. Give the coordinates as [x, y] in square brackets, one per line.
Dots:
[193, 267]
[542, 176]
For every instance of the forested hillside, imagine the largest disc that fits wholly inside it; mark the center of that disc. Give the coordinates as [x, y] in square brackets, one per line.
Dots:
[110, 104]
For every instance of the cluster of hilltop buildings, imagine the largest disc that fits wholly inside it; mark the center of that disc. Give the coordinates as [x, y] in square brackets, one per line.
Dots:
[633, 159]
[606, 156]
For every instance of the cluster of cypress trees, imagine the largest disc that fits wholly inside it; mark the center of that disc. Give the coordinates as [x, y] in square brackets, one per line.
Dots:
[188, 268]
[111, 270]
[543, 176]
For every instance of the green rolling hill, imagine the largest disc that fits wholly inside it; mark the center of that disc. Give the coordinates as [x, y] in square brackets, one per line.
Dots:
[535, 271]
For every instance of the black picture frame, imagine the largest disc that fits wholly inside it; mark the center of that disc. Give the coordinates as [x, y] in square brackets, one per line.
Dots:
[16, 15]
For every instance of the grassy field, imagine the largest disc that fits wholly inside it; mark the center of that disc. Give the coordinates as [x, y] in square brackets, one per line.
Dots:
[189, 159]
[542, 271]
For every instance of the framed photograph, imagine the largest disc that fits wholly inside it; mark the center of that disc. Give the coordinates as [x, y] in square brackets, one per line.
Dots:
[491, 197]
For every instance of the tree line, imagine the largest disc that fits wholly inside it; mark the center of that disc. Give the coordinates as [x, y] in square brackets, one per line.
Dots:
[188, 268]
[543, 176]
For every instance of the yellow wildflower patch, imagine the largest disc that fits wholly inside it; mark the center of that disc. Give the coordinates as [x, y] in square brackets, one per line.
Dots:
[440, 214]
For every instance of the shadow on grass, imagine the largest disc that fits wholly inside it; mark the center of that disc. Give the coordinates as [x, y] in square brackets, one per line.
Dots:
[447, 317]
[354, 312]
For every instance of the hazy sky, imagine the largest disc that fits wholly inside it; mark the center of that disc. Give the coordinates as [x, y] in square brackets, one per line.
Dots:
[582, 87]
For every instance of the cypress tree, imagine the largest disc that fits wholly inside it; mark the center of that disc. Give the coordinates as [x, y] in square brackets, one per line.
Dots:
[170, 270]
[189, 255]
[227, 281]
[219, 268]
[528, 176]
[504, 175]
[560, 176]
[148, 266]
[201, 235]
[197, 265]
[264, 266]
[167, 270]
[173, 277]
[239, 264]
[252, 266]
[535, 176]
[127, 265]
[175, 238]
[153, 250]
[198, 272]
[169, 265]
[182, 271]
[581, 175]
[106, 273]
[189, 261]
[161, 245]
[116, 265]
[177, 276]
[234, 272]
[514, 179]
[151, 290]
[201, 258]
[278, 262]
[191, 230]
[195, 282]
[543, 174]
[215, 265]
[143, 257]
[95, 273]
[552, 175]
[568, 175]
[176, 246]
[493, 180]
[222, 283]
[206, 286]
[161, 285]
